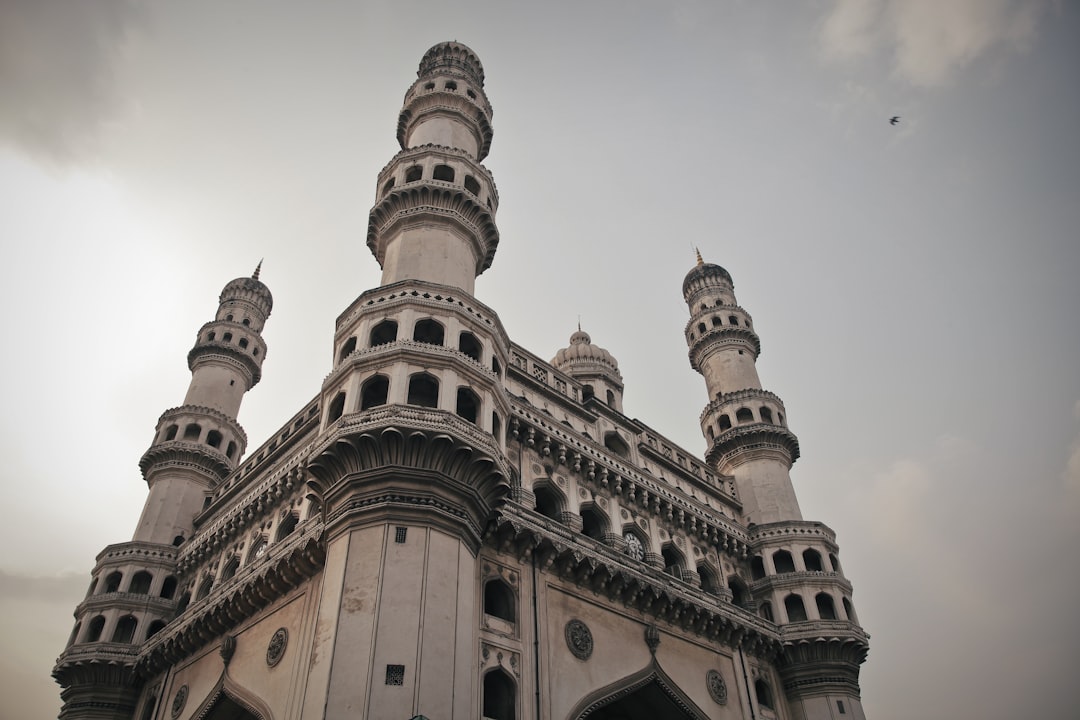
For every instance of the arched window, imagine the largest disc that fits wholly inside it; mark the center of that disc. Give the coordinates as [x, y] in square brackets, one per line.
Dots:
[258, 549]
[450, 85]
[192, 432]
[610, 398]
[716, 321]
[112, 582]
[337, 408]
[383, 333]
[783, 562]
[499, 701]
[140, 583]
[178, 541]
[766, 414]
[738, 591]
[210, 337]
[757, 567]
[548, 503]
[849, 611]
[826, 607]
[414, 173]
[495, 366]
[287, 525]
[701, 328]
[423, 391]
[213, 439]
[227, 337]
[93, 630]
[388, 186]
[243, 343]
[733, 320]
[428, 331]
[168, 588]
[765, 611]
[74, 634]
[725, 423]
[347, 349]
[763, 693]
[93, 586]
[673, 562]
[183, 603]
[170, 433]
[468, 404]
[155, 627]
[444, 173]
[744, 415]
[496, 427]
[374, 392]
[229, 571]
[231, 452]
[125, 629]
[469, 345]
[499, 600]
[812, 560]
[709, 582]
[614, 442]
[796, 610]
[471, 185]
[587, 393]
[593, 523]
[834, 562]
[204, 588]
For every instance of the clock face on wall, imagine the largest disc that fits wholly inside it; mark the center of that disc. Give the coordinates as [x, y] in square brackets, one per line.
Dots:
[633, 546]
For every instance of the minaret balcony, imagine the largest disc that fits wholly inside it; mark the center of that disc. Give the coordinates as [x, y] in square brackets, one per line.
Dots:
[742, 408]
[452, 99]
[800, 578]
[753, 440]
[704, 343]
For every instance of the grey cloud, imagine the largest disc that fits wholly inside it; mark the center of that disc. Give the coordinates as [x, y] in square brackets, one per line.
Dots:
[58, 63]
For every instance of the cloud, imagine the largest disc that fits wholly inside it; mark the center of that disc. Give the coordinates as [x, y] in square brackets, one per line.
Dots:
[58, 66]
[929, 40]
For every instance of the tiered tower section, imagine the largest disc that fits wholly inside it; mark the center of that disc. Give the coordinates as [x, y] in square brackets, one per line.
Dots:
[133, 592]
[434, 217]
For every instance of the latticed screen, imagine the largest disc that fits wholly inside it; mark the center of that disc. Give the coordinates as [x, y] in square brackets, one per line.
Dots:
[395, 674]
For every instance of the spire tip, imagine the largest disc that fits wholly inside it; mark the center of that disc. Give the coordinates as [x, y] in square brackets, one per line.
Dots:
[255, 275]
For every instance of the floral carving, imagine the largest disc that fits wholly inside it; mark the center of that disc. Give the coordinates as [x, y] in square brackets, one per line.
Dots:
[714, 681]
[276, 648]
[179, 700]
[579, 639]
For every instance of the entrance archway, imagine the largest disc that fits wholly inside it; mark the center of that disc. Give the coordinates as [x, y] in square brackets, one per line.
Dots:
[645, 695]
[224, 708]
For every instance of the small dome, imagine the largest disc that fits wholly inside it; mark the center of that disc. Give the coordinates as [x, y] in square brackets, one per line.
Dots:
[452, 56]
[583, 355]
[704, 271]
[249, 289]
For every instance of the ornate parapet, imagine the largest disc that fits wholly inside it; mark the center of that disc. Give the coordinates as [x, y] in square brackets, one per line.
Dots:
[751, 441]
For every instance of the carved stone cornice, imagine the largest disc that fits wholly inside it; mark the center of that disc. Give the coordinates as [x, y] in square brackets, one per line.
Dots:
[136, 551]
[751, 441]
[739, 396]
[803, 578]
[228, 354]
[424, 354]
[179, 454]
[474, 115]
[821, 658]
[622, 579]
[125, 601]
[716, 338]
[100, 663]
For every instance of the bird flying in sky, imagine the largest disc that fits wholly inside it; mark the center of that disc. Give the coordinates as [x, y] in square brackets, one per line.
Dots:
[894, 120]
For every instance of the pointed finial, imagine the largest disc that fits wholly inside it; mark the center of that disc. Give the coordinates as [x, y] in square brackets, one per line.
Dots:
[700, 262]
[255, 275]
[579, 323]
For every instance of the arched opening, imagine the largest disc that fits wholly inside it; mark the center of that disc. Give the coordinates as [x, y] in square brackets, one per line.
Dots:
[231, 452]
[763, 693]
[178, 541]
[93, 586]
[93, 630]
[495, 366]
[716, 321]
[374, 392]
[213, 439]
[499, 701]
[499, 600]
[168, 588]
[229, 571]
[347, 349]
[445, 173]
[610, 398]
[227, 337]
[615, 443]
[673, 562]
[225, 708]
[757, 568]
[337, 408]
[783, 562]
[738, 592]
[548, 503]
[423, 391]
[826, 607]
[258, 549]
[472, 185]
[287, 526]
[587, 393]
[766, 414]
[834, 562]
[192, 432]
[496, 427]
[796, 610]
[849, 611]
[112, 582]
[383, 333]
[428, 331]
[388, 186]
[733, 320]
[204, 588]
[74, 634]
[170, 433]
[765, 611]
[725, 423]
[125, 629]
[593, 523]
[140, 583]
[709, 580]
[469, 345]
[243, 343]
[155, 628]
[701, 328]
[744, 415]
[812, 560]
[646, 695]
[468, 404]
[414, 173]
[450, 85]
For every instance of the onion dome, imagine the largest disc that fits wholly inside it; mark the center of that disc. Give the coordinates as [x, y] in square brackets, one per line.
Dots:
[250, 290]
[583, 358]
[452, 57]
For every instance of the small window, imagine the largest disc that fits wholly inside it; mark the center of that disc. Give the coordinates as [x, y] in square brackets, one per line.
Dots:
[93, 631]
[496, 427]
[610, 398]
[423, 391]
[228, 318]
[74, 634]
[593, 523]
[337, 408]
[757, 567]
[213, 439]
[168, 588]
[374, 392]
[615, 443]
[471, 94]
[495, 366]
[450, 85]
[429, 86]
[178, 541]
[499, 600]
[205, 588]
[112, 582]
[227, 337]
[388, 186]
[192, 432]
[472, 185]
[499, 702]
[155, 627]
[763, 693]
[716, 321]
[709, 581]
[826, 606]
[246, 322]
[738, 592]
[744, 415]
[231, 452]
[400, 534]
[468, 404]
[140, 583]
[765, 610]
[170, 434]
[243, 343]
[725, 423]
[383, 333]
[766, 414]
[587, 393]
[210, 337]
[783, 562]
[347, 349]
[444, 173]
[733, 320]
[428, 331]
[414, 173]
[796, 610]
[125, 630]
[547, 503]
[812, 560]
[229, 571]
[840, 707]
[673, 563]
[395, 674]
[701, 328]
[287, 526]
[469, 345]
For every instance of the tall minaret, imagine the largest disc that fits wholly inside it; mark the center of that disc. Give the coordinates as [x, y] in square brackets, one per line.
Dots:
[434, 217]
[745, 426]
[134, 588]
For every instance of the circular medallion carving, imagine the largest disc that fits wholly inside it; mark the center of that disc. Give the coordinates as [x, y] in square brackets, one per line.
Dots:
[579, 639]
[179, 700]
[634, 548]
[717, 687]
[276, 649]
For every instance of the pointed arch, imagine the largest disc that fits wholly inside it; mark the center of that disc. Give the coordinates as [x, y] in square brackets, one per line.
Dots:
[651, 681]
[228, 692]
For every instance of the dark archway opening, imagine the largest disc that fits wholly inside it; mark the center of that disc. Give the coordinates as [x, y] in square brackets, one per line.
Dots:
[225, 708]
[649, 702]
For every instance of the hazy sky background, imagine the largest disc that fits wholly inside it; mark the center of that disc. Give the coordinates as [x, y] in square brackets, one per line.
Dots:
[914, 286]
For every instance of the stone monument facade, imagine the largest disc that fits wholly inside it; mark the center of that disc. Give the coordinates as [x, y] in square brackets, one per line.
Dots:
[454, 528]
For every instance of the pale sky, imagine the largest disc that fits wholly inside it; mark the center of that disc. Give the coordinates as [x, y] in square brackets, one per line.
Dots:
[914, 286]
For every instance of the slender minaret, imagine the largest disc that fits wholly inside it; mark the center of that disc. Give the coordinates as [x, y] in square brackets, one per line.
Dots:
[133, 592]
[745, 426]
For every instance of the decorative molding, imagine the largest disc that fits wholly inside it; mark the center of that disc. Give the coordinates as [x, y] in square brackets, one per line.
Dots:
[714, 681]
[579, 639]
[179, 701]
[275, 649]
